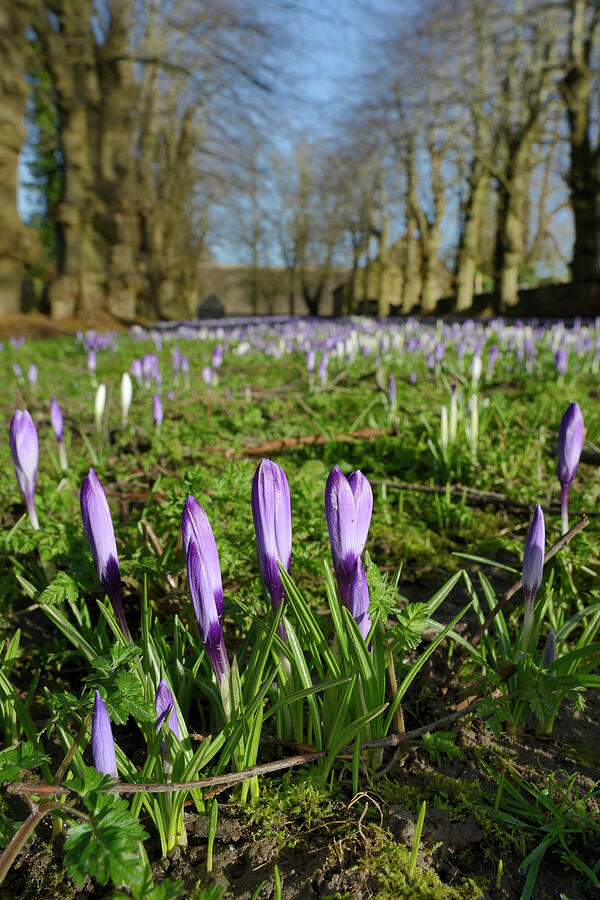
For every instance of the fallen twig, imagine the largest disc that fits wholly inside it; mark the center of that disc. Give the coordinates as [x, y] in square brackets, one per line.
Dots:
[122, 787]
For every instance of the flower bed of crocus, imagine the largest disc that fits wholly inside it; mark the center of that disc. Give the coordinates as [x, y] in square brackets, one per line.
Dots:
[248, 557]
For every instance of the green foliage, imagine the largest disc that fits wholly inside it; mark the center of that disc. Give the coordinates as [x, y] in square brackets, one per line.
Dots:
[389, 862]
[440, 743]
[106, 845]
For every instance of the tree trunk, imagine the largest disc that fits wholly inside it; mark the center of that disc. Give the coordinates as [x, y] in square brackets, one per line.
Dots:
[479, 185]
[16, 241]
[511, 235]
[411, 285]
[584, 168]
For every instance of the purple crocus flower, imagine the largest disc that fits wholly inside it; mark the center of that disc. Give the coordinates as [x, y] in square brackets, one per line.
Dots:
[358, 598]
[164, 703]
[32, 375]
[56, 419]
[207, 616]
[570, 443]
[533, 566]
[157, 411]
[100, 535]
[561, 361]
[91, 362]
[348, 508]
[195, 528]
[392, 394]
[165, 706]
[207, 376]
[136, 370]
[272, 514]
[17, 371]
[103, 745]
[24, 449]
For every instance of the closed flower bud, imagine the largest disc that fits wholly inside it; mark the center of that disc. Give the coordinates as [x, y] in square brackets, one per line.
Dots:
[272, 514]
[348, 509]
[207, 617]
[157, 411]
[100, 534]
[99, 404]
[126, 397]
[533, 566]
[103, 745]
[24, 449]
[570, 443]
[196, 527]
[358, 603]
[56, 419]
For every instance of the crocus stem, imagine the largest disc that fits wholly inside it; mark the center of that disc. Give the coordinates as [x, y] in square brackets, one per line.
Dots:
[564, 508]
[32, 514]
[394, 687]
[119, 612]
[62, 456]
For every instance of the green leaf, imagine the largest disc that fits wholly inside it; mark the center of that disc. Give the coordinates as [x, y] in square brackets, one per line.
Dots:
[107, 845]
[61, 589]
[14, 759]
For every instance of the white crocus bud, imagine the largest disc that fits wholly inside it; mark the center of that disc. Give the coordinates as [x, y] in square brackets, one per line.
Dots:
[126, 395]
[99, 404]
[444, 427]
[476, 371]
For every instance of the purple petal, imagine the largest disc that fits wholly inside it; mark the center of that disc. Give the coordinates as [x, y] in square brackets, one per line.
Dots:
[570, 443]
[363, 501]
[103, 745]
[340, 512]
[196, 527]
[165, 706]
[358, 604]
[207, 618]
[272, 514]
[56, 419]
[25, 452]
[533, 556]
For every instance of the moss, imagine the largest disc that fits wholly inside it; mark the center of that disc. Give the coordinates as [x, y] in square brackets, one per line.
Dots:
[287, 812]
[459, 798]
[389, 863]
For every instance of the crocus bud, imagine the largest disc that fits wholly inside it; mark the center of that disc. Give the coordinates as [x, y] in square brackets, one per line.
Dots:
[99, 404]
[392, 394]
[56, 419]
[358, 598]
[207, 616]
[91, 362]
[100, 535]
[157, 412]
[453, 416]
[165, 706]
[126, 396]
[475, 371]
[570, 443]
[32, 375]
[444, 426]
[533, 566]
[195, 527]
[164, 703]
[348, 508]
[24, 449]
[272, 514]
[103, 745]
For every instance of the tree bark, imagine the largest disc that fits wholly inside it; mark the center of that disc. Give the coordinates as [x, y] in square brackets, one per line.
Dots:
[17, 244]
[468, 253]
[584, 168]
